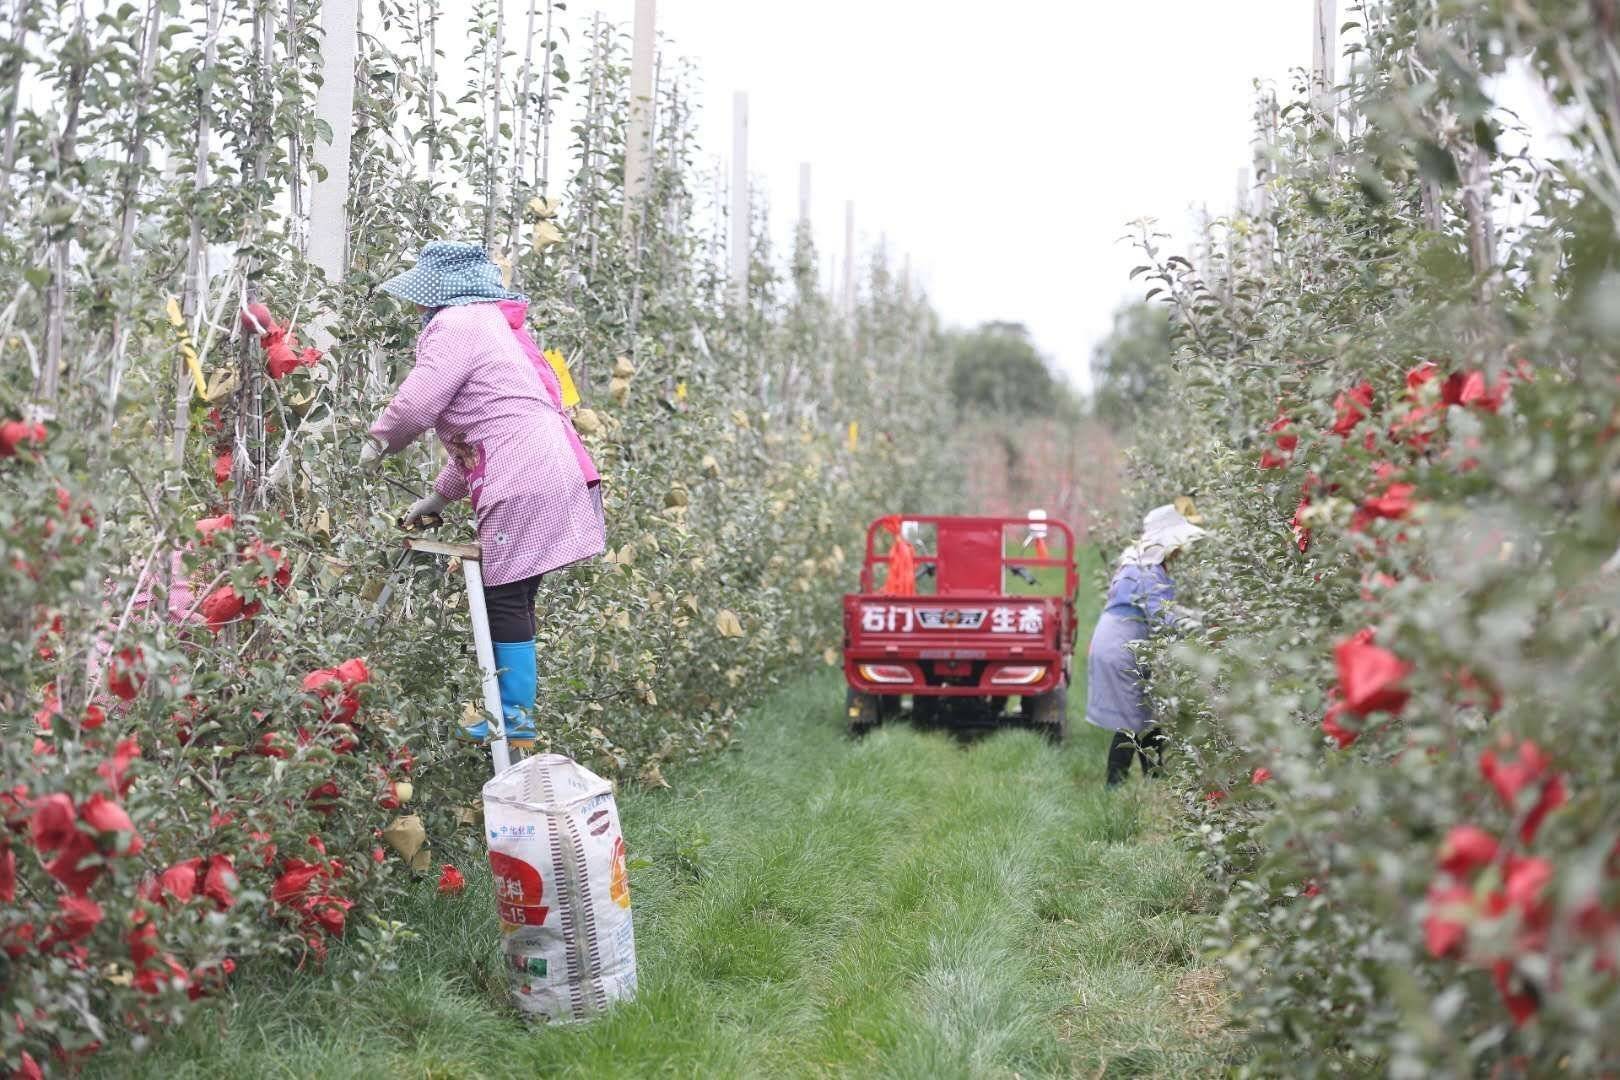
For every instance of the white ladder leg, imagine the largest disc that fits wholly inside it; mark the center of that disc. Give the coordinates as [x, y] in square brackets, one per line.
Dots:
[485, 649]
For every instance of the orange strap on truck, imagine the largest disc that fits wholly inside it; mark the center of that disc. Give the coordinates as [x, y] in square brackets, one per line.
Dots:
[902, 579]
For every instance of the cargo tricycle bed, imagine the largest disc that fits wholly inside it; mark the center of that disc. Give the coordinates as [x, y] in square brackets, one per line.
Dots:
[968, 621]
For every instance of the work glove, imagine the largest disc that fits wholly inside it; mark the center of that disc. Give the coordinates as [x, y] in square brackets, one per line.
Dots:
[371, 456]
[423, 509]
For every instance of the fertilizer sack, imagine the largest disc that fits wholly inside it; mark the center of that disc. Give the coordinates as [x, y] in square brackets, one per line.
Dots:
[562, 891]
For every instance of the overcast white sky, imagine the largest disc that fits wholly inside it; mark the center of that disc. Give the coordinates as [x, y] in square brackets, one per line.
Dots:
[1003, 145]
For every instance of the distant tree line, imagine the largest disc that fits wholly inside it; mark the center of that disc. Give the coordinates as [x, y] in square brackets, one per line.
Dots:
[995, 368]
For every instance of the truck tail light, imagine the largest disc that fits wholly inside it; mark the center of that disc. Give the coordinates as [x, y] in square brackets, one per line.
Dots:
[885, 673]
[1019, 675]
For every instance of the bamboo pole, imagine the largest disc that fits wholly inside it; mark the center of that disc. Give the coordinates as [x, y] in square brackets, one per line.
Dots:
[66, 155]
[196, 255]
[543, 166]
[849, 257]
[135, 148]
[431, 63]
[1476, 199]
[740, 209]
[588, 139]
[295, 178]
[492, 140]
[334, 104]
[717, 234]
[1264, 141]
[134, 164]
[674, 125]
[12, 69]
[521, 132]
[250, 373]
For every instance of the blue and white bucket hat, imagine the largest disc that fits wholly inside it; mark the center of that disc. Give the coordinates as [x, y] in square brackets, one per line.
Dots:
[448, 274]
[1164, 532]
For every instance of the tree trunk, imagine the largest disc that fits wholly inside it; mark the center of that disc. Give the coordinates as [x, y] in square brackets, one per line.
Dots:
[56, 294]
[1481, 231]
[12, 73]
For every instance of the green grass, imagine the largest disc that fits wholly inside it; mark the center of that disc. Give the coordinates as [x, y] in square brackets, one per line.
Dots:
[808, 905]
[902, 906]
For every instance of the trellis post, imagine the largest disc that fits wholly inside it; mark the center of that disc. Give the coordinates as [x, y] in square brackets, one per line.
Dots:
[638, 147]
[1324, 46]
[334, 104]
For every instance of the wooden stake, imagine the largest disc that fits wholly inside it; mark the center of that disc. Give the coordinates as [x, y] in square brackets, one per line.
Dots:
[740, 209]
[638, 141]
[334, 104]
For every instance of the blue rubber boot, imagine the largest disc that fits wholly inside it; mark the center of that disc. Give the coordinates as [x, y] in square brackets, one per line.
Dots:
[515, 669]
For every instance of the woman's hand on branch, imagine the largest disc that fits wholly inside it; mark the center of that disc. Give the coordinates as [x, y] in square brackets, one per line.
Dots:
[371, 456]
[424, 511]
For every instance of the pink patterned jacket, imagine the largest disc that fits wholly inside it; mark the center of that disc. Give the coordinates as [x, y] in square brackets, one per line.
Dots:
[482, 385]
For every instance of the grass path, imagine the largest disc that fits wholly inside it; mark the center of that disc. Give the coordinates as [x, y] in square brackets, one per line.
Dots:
[807, 906]
[901, 906]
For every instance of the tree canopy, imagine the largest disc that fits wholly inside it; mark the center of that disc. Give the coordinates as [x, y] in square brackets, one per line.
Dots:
[996, 368]
[1130, 368]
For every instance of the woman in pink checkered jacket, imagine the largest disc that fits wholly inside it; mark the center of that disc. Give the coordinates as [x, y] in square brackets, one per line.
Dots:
[481, 383]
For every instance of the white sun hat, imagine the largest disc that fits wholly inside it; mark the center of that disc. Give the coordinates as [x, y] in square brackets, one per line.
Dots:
[1164, 531]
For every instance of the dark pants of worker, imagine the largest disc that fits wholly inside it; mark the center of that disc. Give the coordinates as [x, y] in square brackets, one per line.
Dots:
[511, 609]
[1127, 746]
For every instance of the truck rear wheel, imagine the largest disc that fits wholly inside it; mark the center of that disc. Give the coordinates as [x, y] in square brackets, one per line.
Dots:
[1050, 712]
[864, 711]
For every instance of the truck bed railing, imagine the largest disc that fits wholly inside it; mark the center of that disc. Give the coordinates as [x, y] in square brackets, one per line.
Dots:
[963, 538]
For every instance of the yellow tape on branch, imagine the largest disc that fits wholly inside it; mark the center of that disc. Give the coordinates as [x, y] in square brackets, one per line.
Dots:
[187, 350]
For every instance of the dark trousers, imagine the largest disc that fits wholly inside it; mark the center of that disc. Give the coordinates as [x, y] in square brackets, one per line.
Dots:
[1128, 746]
[511, 609]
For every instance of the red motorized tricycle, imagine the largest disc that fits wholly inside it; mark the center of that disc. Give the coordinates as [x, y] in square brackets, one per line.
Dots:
[969, 619]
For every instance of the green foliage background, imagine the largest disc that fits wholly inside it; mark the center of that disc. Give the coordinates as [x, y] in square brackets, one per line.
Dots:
[1415, 228]
[744, 446]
